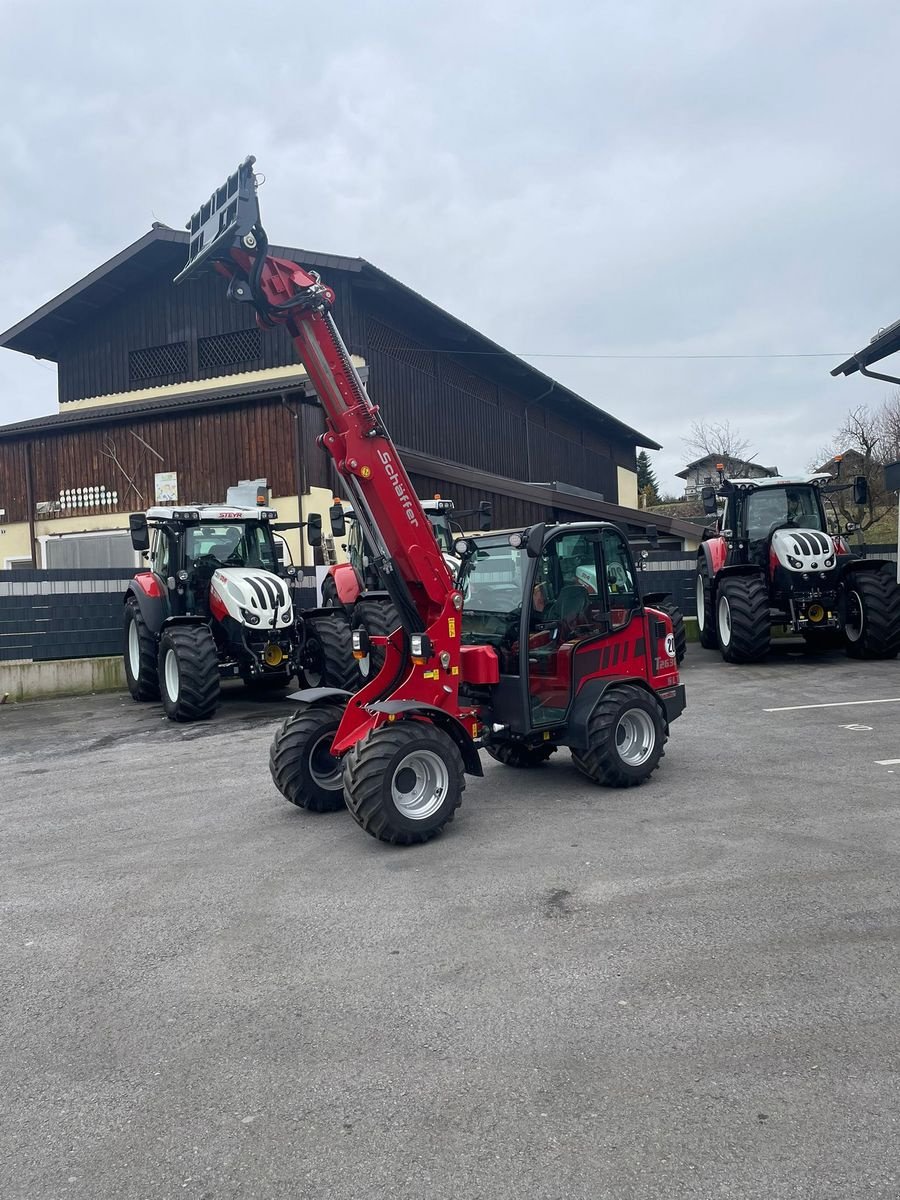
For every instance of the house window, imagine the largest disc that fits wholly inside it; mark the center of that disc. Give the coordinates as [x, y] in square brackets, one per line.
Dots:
[229, 349]
[158, 362]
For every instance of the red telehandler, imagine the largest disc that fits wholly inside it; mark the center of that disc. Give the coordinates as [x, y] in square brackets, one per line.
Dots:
[558, 648]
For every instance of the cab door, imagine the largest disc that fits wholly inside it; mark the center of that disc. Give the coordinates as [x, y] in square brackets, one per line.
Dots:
[585, 620]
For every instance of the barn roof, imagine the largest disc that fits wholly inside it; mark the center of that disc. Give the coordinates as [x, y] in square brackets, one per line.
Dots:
[161, 249]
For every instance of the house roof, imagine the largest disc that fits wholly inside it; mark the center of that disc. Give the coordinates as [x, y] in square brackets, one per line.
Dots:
[885, 342]
[163, 249]
[713, 458]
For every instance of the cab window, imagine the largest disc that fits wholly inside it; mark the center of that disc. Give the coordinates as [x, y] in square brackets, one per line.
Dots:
[619, 576]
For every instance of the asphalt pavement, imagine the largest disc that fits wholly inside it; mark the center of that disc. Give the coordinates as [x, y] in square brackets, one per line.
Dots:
[688, 989]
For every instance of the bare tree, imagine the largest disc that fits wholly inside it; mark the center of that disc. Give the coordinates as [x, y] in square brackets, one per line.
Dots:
[718, 439]
[867, 439]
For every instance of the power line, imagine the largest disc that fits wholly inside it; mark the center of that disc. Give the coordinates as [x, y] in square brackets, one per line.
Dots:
[605, 357]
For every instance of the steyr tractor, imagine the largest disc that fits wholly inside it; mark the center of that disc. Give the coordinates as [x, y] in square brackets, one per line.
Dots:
[772, 562]
[214, 603]
[355, 586]
[545, 662]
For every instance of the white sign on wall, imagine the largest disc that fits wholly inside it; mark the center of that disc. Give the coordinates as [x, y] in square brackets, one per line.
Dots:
[166, 487]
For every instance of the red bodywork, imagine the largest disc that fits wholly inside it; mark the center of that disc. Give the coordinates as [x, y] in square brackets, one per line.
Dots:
[346, 582]
[148, 583]
[716, 550]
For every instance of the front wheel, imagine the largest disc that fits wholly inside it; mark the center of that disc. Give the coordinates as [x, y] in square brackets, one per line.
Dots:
[326, 656]
[188, 673]
[742, 619]
[872, 614]
[404, 782]
[626, 736]
[301, 763]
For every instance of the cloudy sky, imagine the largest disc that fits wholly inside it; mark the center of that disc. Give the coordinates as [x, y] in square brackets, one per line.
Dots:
[575, 179]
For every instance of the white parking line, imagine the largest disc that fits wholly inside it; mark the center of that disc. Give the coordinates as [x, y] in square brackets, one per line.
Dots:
[832, 704]
[887, 762]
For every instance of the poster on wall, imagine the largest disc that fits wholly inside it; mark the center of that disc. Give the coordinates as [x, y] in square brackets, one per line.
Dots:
[166, 487]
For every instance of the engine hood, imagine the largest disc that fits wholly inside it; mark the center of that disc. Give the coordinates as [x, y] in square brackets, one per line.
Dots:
[804, 550]
[257, 592]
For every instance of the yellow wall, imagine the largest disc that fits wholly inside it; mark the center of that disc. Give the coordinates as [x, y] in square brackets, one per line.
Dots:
[628, 492]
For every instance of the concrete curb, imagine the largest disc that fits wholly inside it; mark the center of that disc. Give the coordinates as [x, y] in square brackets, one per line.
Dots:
[60, 677]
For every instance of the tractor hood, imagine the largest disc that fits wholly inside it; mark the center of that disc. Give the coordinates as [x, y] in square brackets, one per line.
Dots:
[246, 593]
[804, 550]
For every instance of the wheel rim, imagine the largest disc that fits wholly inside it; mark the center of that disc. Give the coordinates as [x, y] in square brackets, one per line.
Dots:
[420, 784]
[324, 768]
[701, 602]
[635, 737]
[134, 650]
[853, 626]
[173, 679]
[724, 621]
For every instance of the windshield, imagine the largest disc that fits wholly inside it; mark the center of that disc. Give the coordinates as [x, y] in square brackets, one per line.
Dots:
[442, 531]
[796, 507]
[494, 580]
[227, 545]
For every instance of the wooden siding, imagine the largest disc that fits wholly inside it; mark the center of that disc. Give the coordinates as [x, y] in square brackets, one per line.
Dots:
[508, 511]
[94, 360]
[210, 449]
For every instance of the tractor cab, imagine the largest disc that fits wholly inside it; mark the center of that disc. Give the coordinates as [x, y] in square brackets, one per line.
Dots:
[561, 608]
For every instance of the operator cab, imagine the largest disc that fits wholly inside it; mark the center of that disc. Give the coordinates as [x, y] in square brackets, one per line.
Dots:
[555, 619]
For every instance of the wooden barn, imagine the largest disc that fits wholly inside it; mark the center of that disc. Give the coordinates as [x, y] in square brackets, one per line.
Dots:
[169, 391]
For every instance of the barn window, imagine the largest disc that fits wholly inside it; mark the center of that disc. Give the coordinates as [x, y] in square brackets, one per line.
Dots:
[157, 362]
[227, 349]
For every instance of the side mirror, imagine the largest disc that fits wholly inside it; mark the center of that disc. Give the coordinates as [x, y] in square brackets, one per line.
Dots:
[860, 490]
[851, 527]
[653, 537]
[337, 519]
[485, 515]
[709, 501]
[314, 529]
[534, 542]
[140, 531]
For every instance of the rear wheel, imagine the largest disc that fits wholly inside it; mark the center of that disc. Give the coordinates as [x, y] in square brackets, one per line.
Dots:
[706, 621]
[302, 765]
[329, 593]
[676, 616]
[188, 672]
[326, 657]
[742, 619]
[378, 617]
[141, 654]
[872, 614]
[626, 738]
[516, 754]
[404, 782]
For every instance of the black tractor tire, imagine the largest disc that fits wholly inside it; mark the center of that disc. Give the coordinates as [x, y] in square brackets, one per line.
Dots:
[706, 613]
[397, 769]
[329, 593]
[300, 760]
[873, 596]
[748, 624]
[188, 651]
[516, 754]
[626, 738]
[326, 657]
[140, 643]
[676, 616]
[378, 617]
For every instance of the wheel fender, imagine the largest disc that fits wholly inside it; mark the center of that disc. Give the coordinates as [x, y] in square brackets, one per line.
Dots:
[191, 620]
[731, 572]
[670, 699]
[651, 599]
[314, 695]
[856, 566]
[715, 553]
[444, 720]
[152, 606]
[346, 582]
